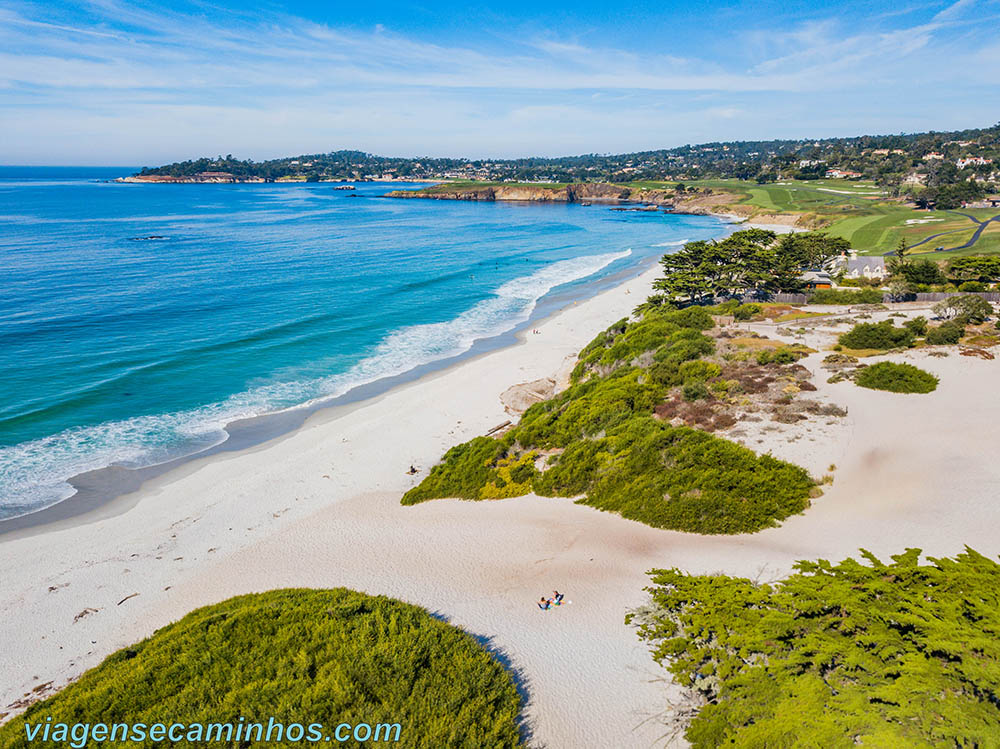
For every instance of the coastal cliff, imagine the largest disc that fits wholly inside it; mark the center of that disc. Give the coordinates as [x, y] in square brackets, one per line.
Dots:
[692, 201]
[580, 192]
[201, 178]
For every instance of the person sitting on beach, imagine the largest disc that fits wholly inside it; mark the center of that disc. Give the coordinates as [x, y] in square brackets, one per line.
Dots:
[544, 603]
[412, 470]
[557, 597]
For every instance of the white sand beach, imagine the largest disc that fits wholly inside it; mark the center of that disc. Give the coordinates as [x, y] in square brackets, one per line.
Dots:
[320, 508]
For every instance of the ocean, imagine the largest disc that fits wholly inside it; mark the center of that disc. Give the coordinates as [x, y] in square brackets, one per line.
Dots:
[137, 321]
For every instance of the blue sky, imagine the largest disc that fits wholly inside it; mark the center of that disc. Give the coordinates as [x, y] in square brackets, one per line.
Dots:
[112, 82]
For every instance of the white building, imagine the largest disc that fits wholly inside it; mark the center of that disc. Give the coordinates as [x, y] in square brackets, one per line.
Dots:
[972, 161]
[854, 267]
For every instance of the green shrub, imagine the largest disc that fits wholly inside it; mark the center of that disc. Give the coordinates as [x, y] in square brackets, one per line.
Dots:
[965, 309]
[699, 370]
[845, 296]
[882, 335]
[299, 656]
[896, 378]
[465, 470]
[837, 655]
[678, 478]
[694, 390]
[972, 286]
[511, 477]
[621, 458]
[746, 311]
[673, 334]
[780, 355]
[945, 333]
[918, 326]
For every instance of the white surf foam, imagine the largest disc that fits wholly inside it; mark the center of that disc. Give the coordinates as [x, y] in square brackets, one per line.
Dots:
[34, 475]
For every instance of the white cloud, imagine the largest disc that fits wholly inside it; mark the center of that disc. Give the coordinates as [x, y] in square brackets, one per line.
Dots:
[145, 85]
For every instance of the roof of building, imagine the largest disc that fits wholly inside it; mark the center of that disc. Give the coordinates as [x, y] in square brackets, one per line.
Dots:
[860, 263]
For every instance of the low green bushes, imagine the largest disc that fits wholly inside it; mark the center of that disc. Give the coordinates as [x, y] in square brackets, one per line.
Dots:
[600, 440]
[845, 296]
[838, 655]
[882, 335]
[964, 309]
[298, 656]
[780, 355]
[896, 378]
[678, 478]
[972, 286]
[918, 325]
[946, 333]
[746, 311]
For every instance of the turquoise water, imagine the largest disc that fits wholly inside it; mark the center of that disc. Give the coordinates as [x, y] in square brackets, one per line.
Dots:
[119, 349]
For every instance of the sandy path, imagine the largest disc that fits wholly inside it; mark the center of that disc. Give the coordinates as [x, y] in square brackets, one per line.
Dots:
[319, 508]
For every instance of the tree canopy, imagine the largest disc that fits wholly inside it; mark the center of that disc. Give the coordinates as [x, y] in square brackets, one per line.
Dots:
[750, 262]
[837, 655]
[299, 657]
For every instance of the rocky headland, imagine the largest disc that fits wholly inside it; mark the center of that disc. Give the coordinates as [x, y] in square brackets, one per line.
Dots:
[695, 201]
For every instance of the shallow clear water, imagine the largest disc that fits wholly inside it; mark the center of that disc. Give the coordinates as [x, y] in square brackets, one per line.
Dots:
[118, 349]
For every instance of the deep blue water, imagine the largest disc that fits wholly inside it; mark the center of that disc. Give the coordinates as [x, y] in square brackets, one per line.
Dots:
[257, 298]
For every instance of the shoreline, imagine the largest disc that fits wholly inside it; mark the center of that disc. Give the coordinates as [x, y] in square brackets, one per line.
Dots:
[320, 508]
[65, 609]
[98, 489]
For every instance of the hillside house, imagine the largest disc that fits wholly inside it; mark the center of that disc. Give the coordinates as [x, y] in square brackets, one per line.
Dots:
[972, 161]
[842, 174]
[816, 279]
[854, 267]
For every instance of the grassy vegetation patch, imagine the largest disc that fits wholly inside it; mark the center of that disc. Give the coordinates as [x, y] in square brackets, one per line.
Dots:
[896, 378]
[607, 442]
[845, 296]
[300, 656]
[838, 655]
[881, 335]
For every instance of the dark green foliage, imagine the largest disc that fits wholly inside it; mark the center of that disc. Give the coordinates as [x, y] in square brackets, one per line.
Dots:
[845, 296]
[964, 309]
[678, 478]
[972, 286]
[896, 378]
[606, 445]
[805, 250]
[946, 333]
[466, 468]
[743, 262]
[746, 311]
[587, 408]
[975, 268]
[918, 326]
[836, 656]
[780, 355]
[300, 656]
[921, 272]
[673, 335]
[694, 390]
[947, 197]
[882, 335]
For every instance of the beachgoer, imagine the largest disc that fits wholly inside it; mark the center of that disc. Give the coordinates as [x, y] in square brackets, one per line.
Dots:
[557, 597]
[544, 603]
[412, 470]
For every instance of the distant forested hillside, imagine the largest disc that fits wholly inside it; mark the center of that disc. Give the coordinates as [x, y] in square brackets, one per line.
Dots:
[937, 158]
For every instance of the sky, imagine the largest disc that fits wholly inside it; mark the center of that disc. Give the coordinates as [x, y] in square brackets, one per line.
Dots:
[140, 83]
